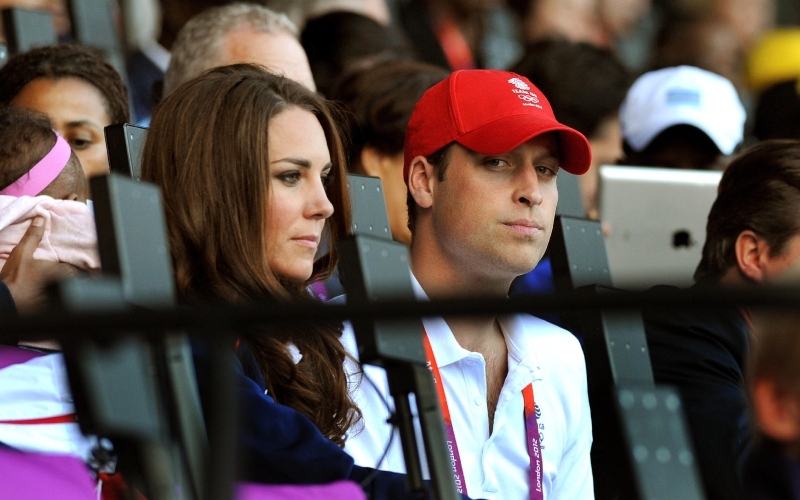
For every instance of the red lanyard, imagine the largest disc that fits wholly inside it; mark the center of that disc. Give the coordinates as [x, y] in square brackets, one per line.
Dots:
[59, 419]
[531, 430]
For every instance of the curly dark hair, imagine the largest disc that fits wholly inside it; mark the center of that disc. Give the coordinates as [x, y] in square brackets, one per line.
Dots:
[27, 137]
[62, 61]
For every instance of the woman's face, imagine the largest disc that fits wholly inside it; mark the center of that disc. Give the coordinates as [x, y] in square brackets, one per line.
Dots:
[300, 164]
[77, 110]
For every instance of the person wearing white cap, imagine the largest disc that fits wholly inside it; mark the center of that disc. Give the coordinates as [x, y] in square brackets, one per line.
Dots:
[681, 117]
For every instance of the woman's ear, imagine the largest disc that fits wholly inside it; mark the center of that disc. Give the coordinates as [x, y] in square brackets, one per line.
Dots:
[421, 176]
[778, 415]
[752, 252]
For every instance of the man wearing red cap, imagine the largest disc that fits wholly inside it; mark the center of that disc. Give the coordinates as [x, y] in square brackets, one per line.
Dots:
[482, 153]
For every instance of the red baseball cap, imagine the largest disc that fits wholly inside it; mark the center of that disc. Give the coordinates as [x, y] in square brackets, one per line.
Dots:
[490, 112]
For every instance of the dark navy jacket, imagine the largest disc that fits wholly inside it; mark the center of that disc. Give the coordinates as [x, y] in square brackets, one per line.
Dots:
[280, 445]
[702, 353]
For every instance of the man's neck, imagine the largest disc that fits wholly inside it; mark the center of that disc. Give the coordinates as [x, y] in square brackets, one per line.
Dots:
[442, 277]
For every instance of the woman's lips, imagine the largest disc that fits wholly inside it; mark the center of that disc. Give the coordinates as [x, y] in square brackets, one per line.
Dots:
[309, 241]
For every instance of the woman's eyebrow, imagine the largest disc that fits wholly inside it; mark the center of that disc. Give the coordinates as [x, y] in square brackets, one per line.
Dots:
[300, 162]
[82, 123]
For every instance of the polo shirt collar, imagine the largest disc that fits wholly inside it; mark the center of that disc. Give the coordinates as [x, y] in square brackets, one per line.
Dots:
[520, 342]
[446, 349]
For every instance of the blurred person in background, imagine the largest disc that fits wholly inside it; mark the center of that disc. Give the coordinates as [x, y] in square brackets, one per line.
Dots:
[772, 471]
[337, 40]
[147, 64]
[237, 33]
[76, 89]
[752, 238]
[681, 117]
[57, 9]
[702, 43]
[461, 34]
[378, 100]
[773, 75]
[597, 22]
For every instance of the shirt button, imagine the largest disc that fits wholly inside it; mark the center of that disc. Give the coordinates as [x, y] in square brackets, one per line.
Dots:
[477, 400]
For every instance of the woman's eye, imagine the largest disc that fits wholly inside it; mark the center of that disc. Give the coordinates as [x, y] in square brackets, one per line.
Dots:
[290, 178]
[78, 143]
[327, 180]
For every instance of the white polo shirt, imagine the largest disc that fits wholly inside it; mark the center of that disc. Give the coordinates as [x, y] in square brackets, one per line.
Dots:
[495, 466]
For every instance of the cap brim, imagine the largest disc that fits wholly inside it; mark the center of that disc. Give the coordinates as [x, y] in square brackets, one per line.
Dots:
[510, 132]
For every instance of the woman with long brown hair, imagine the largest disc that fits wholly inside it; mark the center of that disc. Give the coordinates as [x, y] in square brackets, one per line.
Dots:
[253, 174]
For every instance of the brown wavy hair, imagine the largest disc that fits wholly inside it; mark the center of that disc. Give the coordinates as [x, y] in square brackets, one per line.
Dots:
[207, 150]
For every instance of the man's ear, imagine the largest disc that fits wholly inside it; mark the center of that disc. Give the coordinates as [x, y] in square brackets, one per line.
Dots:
[778, 415]
[421, 177]
[752, 252]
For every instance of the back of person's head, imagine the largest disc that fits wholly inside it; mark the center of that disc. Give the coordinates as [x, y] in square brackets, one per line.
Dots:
[777, 113]
[704, 43]
[760, 192]
[338, 39]
[64, 61]
[35, 160]
[207, 150]
[378, 99]
[683, 95]
[584, 83]
[199, 45]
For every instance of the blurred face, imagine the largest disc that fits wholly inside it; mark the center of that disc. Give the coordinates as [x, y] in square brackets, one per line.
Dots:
[280, 53]
[493, 215]
[298, 205]
[77, 110]
[606, 150]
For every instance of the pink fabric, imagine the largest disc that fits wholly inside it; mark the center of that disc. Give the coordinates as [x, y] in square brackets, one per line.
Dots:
[28, 476]
[11, 355]
[340, 490]
[69, 234]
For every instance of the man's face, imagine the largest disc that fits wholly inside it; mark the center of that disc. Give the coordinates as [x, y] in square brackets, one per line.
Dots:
[280, 53]
[775, 266]
[493, 215]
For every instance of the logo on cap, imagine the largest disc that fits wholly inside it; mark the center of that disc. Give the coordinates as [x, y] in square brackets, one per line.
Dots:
[522, 91]
[519, 84]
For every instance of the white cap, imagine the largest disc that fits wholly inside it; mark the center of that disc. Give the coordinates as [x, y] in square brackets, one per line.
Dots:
[683, 95]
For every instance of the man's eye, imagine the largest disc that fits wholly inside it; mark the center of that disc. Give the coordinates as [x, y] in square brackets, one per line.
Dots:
[496, 162]
[290, 178]
[547, 171]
